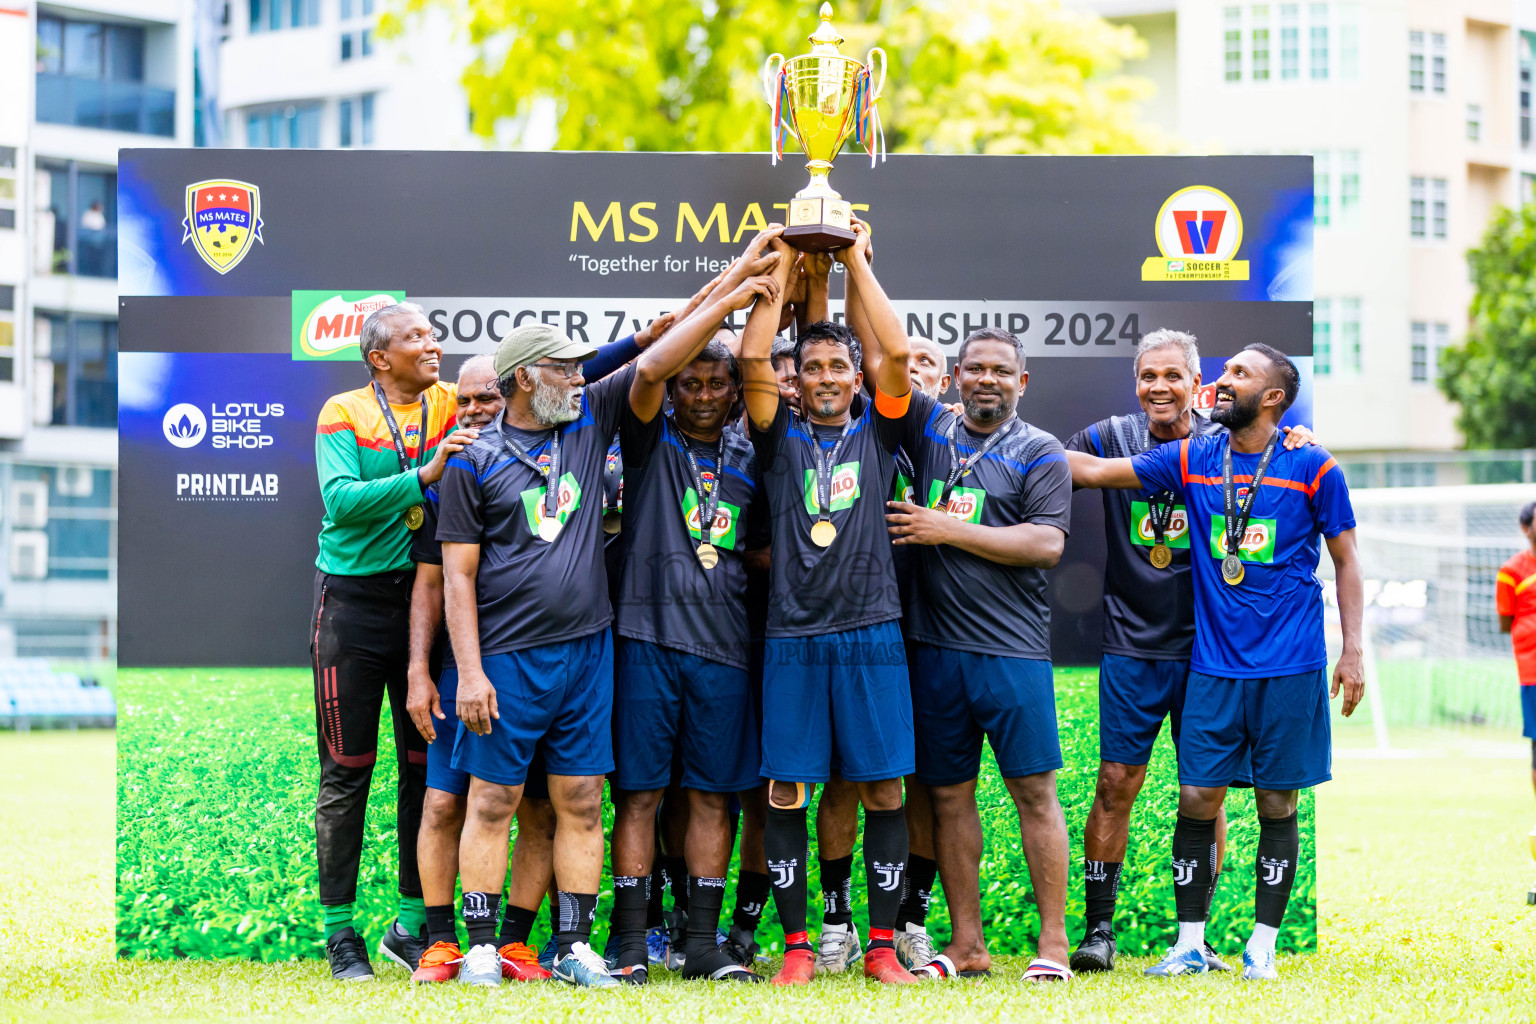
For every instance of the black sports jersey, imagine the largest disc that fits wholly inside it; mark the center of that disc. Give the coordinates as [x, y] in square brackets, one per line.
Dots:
[852, 582]
[667, 596]
[1148, 612]
[531, 591]
[960, 600]
[427, 549]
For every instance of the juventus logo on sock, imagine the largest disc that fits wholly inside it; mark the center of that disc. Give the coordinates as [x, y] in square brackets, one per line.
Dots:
[1272, 871]
[888, 876]
[1184, 871]
[783, 872]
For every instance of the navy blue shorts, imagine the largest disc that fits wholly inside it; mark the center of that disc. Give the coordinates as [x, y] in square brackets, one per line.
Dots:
[844, 694]
[1281, 723]
[1528, 708]
[1135, 695]
[441, 774]
[667, 701]
[558, 696]
[965, 696]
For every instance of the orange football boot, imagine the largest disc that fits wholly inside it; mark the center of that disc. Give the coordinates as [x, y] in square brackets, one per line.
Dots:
[520, 963]
[799, 968]
[439, 963]
[881, 964]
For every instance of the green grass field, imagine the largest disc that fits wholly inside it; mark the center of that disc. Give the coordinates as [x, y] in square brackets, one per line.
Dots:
[215, 844]
[1422, 877]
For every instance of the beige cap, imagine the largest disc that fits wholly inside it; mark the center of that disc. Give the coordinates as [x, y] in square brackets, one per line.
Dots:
[534, 342]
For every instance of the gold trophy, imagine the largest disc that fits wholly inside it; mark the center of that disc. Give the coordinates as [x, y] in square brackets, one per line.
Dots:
[820, 98]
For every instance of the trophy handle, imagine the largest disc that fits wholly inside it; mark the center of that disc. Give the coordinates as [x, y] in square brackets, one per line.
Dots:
[771, 71]
[878, 86]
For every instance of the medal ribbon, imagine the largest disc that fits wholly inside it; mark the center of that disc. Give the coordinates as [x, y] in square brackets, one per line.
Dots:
[394, 428]
[824, 468]
[551, 490]
[1237, 514]
[1160, 505]
[709, 497]
[958, 467]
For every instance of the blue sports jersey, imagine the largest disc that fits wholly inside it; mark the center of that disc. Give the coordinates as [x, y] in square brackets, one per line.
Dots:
[1271, 624]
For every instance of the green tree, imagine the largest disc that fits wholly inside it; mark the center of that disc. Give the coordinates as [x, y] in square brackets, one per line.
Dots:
[986, 76]
[1492, 374]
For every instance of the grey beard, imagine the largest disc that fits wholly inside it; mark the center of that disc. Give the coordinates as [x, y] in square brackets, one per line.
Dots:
[977, 414]
[552, 405]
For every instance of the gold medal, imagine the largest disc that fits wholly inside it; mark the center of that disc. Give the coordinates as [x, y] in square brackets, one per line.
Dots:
[823, 533]
[613, 522]
[708, 556]
[549, 529]
[1161, 556]
[1232, 571]
[414, 517]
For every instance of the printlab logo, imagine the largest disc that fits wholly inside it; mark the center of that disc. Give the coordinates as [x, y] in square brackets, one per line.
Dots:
[223, 219]
[184, 425]
[1199, 231]
[329, 324]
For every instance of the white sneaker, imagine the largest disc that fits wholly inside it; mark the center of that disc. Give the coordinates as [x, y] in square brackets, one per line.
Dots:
[837, 948]
[481, 966]
[913, 947]
[1259, 965]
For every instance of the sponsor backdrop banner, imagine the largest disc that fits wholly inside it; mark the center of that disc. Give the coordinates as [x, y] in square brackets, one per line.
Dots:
[246, 276]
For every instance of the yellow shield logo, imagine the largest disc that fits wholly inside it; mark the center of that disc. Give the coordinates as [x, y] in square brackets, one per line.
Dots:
[223, 220]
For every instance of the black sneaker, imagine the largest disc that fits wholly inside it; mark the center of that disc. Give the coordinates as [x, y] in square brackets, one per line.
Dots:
[1097, 950]
[348, 956]
[1213, 962]
[402, 947]
[738, 953]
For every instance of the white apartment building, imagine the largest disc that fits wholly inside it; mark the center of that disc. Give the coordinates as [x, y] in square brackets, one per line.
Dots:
[315, 74]
[77, 82]
[1418, 114]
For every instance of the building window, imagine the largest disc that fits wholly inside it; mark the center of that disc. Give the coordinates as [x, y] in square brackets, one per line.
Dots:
[365, 111]
[7, 187]
[295, 126]
[1442, 342]
[1527, 61]
[92, 75]
[355, 121]
[1290, 41]
[1319, 37]
[1474, 122]
[1322, 190]
[1416, 62]
[1322, 337]
[7, 332]
[1260, 34]
[1417, 208]
[83, 353]
[271, 15]
[1234, 44]
[356, 28]
[1527, 187]
[1437, 63]
[84, 207]
[1439, 192]
[1348, 360]
[1419, 352]
[1349, 188]
[1349, 41]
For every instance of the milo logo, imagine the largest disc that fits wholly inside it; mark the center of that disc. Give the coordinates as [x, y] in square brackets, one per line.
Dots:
[845, 487]
[1141, 526]
[722, 533]
[964, 502]
[569, 500]
[1257, 545]
[903, 491]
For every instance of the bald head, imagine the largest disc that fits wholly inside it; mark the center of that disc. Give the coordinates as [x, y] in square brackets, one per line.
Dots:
[729, 339]
[926, 367]
[479, 400]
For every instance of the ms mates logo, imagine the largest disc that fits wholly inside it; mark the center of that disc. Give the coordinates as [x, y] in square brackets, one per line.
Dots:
[223, 221]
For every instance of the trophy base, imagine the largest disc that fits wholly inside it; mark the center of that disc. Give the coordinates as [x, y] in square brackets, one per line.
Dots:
[1530, 898]
[819, 224]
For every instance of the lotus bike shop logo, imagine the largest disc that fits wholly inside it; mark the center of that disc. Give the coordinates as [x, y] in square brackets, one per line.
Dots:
[223, 220]
[1199, 231]
[184, 425]
[329, 324]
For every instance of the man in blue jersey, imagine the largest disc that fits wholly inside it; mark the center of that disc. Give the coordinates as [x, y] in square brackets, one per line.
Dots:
[1257, 684]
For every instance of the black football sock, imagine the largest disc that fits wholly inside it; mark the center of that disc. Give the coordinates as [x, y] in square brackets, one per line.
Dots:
[1194, 865]
[885, 861]
[916, 891]
[786, 842]
[441, 926]
[1101, 884]
[1279, 850]
[516, 923]
[631, 894]
[573, 923]
[751, 900]
[655, 910]
[480, 913]
[705, 898]
[677, 881]
[837, 890]
[1210, 897]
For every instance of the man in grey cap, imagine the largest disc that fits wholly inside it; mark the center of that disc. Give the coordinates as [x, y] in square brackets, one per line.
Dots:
[528, 615]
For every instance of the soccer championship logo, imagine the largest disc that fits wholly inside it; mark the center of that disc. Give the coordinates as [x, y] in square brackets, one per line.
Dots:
[223, 219]
[1199, 231]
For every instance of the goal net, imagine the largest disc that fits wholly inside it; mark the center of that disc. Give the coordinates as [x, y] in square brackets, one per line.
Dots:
[1434, 655]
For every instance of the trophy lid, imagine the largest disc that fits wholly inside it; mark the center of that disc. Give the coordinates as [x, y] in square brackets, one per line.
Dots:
[824, 41]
